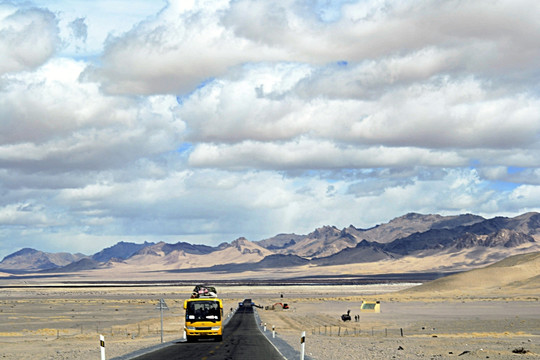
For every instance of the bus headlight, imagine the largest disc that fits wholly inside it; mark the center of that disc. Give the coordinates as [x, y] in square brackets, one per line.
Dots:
[215, 327]
[191, 328]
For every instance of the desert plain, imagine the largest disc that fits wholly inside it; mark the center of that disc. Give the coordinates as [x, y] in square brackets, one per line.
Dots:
[489, 313]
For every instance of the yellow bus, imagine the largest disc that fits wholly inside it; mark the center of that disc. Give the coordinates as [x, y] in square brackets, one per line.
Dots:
[204, 317]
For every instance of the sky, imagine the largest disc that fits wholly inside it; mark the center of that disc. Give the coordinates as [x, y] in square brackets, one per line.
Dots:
[205, 121]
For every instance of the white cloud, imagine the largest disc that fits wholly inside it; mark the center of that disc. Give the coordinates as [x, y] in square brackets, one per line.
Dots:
[28, 37]
[57, 123]
[441, 121]
[175, 52]
[84, 26]
[209, 120]
[23, 215]
[185, 45]
[309, 154]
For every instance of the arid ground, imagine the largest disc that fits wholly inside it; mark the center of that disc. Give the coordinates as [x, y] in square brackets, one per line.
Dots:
[65, 323]
[491, 312]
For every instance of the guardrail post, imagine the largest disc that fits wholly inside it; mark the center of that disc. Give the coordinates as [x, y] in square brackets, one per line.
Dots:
[102, 346]
[302, 345]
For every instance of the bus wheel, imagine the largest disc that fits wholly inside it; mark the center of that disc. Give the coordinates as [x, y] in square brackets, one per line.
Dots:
[218, 338]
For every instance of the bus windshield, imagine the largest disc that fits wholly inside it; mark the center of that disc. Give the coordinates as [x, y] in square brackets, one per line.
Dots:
[203, 311]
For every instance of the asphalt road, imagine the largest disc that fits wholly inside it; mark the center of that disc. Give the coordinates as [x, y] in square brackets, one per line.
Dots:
[242, 340]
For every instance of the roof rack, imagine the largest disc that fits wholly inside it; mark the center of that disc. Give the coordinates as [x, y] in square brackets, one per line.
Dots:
[203, 291]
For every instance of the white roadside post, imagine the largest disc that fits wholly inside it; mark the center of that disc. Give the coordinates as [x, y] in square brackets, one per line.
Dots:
[302, 345]
[102, 346]
[273, 331]
[162, 306]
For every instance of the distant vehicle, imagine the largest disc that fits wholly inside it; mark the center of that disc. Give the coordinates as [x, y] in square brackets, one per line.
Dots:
[347, 316]
[247, 302]
[204, 314]
[281, 306]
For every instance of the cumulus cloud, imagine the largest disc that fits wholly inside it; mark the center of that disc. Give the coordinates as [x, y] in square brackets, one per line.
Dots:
[443, 121]
[183, 46]
[187, 44]
[213, 119]
[28, 37]
[308, 154]
[56, 124]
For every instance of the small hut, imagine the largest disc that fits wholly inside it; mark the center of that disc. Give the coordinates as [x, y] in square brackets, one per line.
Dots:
[370, 307]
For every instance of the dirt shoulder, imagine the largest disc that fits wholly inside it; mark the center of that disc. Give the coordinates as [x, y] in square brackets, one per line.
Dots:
[56, 323]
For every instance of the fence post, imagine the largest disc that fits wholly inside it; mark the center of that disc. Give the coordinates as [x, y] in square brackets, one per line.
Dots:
[102, 346]
[302, 345]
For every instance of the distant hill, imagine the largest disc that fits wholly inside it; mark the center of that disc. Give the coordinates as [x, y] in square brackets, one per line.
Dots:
[76, 266]
[33, 260]
[517, 275]
[121, 250]
[280, 241]
[324, 241]
[271, 262]
[487, 233]
[453, 243]
[329, 240]
[163, 248]
[411, 223]
[363, 252]
[185, 256]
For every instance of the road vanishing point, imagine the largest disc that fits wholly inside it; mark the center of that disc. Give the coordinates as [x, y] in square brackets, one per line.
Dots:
[242, 340]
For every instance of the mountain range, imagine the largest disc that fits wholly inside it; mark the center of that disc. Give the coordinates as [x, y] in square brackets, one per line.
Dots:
[431, 242]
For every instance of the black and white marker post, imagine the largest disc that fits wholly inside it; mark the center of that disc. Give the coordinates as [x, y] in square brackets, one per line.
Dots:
[302, 345]
[102, 346]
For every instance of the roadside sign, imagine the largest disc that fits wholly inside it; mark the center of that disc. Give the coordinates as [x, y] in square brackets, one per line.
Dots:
[162, 306]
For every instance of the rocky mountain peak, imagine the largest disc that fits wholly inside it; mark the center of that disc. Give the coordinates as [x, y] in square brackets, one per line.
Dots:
[22, 252]
[507, 238]
[245, 246]
[324, 232]
[240, 241]
[413, 235]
